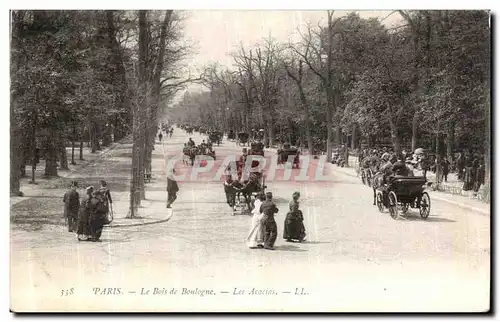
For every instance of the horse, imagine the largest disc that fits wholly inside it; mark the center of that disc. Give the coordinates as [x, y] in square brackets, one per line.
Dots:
[250, 187]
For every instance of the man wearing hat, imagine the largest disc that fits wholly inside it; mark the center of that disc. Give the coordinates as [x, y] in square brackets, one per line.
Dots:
[269, 209]
[71, 201]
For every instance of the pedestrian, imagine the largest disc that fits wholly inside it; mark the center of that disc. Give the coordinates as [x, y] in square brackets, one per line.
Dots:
[231, 187]
[425, 164]
[469, 175]
[269, 209]
[445, 167]
[86, 208]
[104, 188]
[255, 238]
[480, 176]
[99, 208]
[106, 202]
[172, 189]
[160, 136]
[294, 221]
[71, 201]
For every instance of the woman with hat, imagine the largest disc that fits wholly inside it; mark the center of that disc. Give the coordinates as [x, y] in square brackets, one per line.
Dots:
[294, 221]
[255, 238]
[86, 208]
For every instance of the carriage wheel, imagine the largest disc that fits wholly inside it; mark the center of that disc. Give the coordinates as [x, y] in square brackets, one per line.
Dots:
[404, 207]
[380, 201]
[425, 205]
[363, 177]
[393, 205]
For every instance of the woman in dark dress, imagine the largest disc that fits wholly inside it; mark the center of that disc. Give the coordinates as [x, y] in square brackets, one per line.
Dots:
[90, 218]
[294, 221]
[86, 209]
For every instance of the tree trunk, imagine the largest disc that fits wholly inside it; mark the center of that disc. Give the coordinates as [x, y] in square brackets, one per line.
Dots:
[414, 131]
[271, 131]
[449, 140]
[329, 125]
[81, 151]
[353, 136]
[106, 138]
[51, 159]
[63, 157]
[395, 137]
[15, 156]
[73, 139]
[92, 138]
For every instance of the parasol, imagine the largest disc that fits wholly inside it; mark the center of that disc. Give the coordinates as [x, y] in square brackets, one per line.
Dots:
[419, 151]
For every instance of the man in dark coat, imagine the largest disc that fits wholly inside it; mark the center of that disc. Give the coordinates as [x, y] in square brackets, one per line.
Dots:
[71, 201]
[269, 209]
[172, 189]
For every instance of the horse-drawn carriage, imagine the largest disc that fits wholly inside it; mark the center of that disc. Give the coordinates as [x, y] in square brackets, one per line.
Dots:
[190, 153]
[247, 185]
[231, 135]
[406, 192]
[243, 138]
[215, 136]
[256, 148]
[285, 152]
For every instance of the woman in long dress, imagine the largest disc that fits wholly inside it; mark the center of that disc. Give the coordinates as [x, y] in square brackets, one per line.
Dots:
[294, 221]
[255, 238]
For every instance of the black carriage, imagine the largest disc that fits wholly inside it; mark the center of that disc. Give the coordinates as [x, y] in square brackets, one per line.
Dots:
[283, 155]
[215, 136]
[231, 135]
[243, 138]
[406, 192]
[256, 148]
[250, 192]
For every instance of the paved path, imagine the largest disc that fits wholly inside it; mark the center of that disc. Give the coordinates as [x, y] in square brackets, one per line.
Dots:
[355, 258]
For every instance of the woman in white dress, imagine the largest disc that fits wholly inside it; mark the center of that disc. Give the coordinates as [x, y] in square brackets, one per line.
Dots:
[255, 238]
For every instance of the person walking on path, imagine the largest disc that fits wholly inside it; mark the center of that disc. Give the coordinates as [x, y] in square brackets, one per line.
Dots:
[172, 189]
[106, 203]
[269, 209]
[71, 201]
[294, 222]
[445, 167]
[160, 136]
[255, 238]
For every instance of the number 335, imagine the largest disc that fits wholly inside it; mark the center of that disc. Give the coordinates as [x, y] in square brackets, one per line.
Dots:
[67, 292]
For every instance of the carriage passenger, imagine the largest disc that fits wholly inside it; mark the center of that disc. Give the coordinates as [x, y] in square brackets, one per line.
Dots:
[191, 143]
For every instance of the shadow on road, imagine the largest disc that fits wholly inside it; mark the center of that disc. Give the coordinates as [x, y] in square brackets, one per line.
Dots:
[429, 219]
[313, 242]
[290, 248]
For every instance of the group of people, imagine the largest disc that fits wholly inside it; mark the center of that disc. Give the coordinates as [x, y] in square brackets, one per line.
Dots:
[470, 168]
[190, 150]
[88, 217]
[264, 230]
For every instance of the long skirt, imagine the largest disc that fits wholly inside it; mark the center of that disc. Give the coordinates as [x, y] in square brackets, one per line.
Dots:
[82, 228]
[294, 228]
[256, 236]
[96, 224]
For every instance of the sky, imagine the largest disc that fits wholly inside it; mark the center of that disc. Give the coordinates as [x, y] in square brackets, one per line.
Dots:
[218, 33]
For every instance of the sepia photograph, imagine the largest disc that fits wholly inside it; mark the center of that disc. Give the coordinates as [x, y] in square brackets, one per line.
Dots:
[250, 161]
